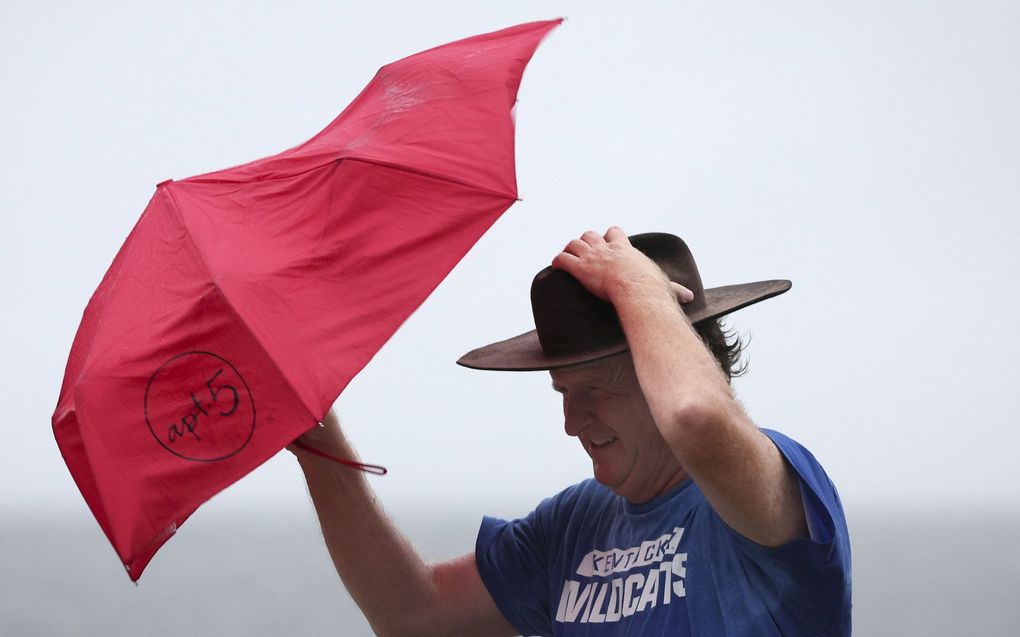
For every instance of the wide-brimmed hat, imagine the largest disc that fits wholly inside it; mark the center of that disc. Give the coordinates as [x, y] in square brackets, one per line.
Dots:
[574, 326]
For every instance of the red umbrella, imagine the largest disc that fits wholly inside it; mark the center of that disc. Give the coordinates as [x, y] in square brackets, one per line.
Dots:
[245, 300]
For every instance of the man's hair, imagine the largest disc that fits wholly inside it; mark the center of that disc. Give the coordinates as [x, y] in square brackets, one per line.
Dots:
[725, 345]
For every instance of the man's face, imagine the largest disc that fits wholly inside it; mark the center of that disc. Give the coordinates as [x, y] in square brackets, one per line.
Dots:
[604, 408]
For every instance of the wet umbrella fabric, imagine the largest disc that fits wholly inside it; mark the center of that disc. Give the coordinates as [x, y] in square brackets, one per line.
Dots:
[245, 300]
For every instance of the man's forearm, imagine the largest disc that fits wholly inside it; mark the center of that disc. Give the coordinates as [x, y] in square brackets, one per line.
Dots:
[383, 573]
[676, 370]
[740, 471]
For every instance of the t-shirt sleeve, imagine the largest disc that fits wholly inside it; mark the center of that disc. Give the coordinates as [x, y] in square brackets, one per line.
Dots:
[808, 580]
[513, 558]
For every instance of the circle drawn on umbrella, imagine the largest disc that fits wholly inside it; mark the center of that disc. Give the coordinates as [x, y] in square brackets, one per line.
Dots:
[198, 407]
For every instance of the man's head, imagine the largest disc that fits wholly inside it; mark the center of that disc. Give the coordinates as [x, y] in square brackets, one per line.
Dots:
[578, 338]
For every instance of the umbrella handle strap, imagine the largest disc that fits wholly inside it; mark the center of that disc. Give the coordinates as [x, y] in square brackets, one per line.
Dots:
[367, 468]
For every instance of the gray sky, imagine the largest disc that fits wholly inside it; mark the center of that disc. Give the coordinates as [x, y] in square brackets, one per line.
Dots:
[867, 151]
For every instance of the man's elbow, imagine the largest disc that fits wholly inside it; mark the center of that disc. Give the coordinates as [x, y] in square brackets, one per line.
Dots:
[695, 419]
[404, 624]
[413, 616]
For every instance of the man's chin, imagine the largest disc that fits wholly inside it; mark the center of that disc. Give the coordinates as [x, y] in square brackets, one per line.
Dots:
[604, 476]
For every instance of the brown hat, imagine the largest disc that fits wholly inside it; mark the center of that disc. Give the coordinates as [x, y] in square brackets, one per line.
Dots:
[575, 326]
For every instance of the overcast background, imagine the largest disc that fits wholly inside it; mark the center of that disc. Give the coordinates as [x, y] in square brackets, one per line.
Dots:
[867, 151]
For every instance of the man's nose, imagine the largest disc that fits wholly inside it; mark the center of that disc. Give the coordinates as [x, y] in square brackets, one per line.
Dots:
[576, 415]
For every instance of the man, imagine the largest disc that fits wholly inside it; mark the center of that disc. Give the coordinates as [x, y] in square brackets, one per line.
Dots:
[696, 522]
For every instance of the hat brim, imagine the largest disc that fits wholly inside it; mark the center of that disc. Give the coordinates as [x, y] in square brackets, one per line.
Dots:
[523, 353]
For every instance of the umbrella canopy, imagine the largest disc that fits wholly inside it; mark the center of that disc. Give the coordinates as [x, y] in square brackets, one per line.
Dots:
[245, 300]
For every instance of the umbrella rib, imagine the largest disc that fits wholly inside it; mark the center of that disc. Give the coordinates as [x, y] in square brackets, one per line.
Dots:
[429, 173]
[208, 178]
[212, 279]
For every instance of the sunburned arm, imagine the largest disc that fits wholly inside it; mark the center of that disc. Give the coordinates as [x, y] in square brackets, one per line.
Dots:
[740, 471]
[399, 593]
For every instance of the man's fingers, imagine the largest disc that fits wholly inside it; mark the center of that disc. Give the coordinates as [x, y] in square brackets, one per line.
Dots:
[565, 261]
[592, 238]
[616, 233]
[683, 294]
[576, 247]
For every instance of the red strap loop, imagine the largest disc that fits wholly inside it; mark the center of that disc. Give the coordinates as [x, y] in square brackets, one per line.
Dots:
[367, 468]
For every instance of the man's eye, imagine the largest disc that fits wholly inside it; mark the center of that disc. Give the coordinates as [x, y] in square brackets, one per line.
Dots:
[601, 391]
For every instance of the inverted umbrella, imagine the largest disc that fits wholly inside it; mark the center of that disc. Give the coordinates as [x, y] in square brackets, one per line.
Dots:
[245, 300]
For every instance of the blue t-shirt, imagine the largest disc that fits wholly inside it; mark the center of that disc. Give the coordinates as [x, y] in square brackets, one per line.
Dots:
[588, 562]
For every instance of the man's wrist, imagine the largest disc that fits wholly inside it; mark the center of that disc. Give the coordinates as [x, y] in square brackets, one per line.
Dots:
[647, 288]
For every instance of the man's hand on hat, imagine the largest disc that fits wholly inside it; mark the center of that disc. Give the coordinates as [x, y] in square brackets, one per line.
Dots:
[608, 266]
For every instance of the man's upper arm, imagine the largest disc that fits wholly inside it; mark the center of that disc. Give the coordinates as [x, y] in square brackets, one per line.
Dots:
[749, 484]
[464, 605]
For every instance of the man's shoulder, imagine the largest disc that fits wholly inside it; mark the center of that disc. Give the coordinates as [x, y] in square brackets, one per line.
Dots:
[799, 456]
[780, 438]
